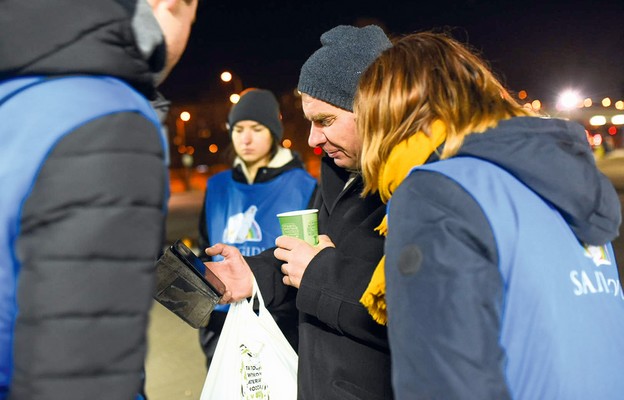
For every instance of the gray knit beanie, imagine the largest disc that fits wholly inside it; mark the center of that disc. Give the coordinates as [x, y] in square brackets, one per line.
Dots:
[332, 73]
[257, 105]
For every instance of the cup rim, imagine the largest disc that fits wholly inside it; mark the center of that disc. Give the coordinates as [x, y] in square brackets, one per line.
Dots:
[297, 212]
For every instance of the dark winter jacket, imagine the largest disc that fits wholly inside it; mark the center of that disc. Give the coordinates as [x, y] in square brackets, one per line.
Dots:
[452, 305]
[92, 224]
[343, 353]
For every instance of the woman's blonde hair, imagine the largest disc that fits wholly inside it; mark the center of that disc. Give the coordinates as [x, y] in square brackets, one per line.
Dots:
[422, 78]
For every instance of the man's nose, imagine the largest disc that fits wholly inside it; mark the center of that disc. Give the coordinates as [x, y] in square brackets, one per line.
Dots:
[317, 137]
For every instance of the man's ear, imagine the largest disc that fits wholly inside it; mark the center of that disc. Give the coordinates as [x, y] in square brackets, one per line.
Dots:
[171, 4]
[167, 4]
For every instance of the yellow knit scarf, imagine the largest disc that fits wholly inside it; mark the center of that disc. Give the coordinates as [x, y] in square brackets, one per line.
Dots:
[411, 152]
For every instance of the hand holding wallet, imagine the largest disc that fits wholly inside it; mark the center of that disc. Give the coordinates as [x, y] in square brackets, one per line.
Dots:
[185, 286]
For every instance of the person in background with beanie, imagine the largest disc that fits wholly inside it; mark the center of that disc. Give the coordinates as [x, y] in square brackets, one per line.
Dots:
[343, 353]
[84, 191]
[241, 204]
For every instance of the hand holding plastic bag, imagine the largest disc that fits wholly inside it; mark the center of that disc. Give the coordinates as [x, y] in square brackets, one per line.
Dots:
[253, 359]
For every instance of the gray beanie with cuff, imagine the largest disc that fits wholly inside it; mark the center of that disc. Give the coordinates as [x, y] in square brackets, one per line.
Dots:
[332, 73]
[258, 105]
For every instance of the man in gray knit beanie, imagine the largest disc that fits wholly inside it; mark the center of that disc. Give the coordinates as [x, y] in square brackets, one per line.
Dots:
[328, 82]
[342, 352]
[332, 73]
[338, 340]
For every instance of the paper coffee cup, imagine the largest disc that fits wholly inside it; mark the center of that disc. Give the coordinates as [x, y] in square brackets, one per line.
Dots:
[302, 224]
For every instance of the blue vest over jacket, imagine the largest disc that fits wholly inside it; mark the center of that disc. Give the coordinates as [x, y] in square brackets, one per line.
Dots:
[24, 151]
[563, 308]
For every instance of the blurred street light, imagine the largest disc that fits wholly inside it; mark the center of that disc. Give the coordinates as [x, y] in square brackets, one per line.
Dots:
[230, 77]
[568, 100]
[180, 138]
[226, 76]
[617, 119]
[598, 120]
[186, 151]
[234, 98]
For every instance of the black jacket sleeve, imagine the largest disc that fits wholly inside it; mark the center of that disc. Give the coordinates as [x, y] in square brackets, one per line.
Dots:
[336, 278]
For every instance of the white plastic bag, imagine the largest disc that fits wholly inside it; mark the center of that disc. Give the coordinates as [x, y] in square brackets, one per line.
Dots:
[253, 359]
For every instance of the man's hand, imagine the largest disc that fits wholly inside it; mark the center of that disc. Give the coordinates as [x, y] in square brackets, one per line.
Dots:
[233, 271]
[297, 255]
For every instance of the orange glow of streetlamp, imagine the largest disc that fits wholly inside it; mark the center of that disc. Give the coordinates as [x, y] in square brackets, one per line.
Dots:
[287, 143]
[185, 116]
[213, 148]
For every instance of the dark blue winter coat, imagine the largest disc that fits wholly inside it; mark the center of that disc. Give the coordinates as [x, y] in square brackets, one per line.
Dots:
[499, 283]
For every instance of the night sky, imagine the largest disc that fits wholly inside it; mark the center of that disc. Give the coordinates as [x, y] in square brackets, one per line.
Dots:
[539, 46]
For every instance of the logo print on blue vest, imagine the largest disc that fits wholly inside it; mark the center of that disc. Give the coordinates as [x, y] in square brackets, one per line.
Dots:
[242, 227]
[598, 254]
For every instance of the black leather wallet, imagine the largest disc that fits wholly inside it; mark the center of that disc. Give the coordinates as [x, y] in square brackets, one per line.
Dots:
[184, 288]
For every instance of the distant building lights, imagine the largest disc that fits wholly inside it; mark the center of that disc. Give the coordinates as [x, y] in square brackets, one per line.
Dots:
[619, 105]
[617, 119]
[287, 143]
[587, 102]
[536, 105]
[606, 102]
[185, 116]
[612, 130]
[522, 94]
[598, 120]
[234, 98]
[213, 148]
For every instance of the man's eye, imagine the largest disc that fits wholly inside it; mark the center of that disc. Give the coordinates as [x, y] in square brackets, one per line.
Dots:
[326, 122]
